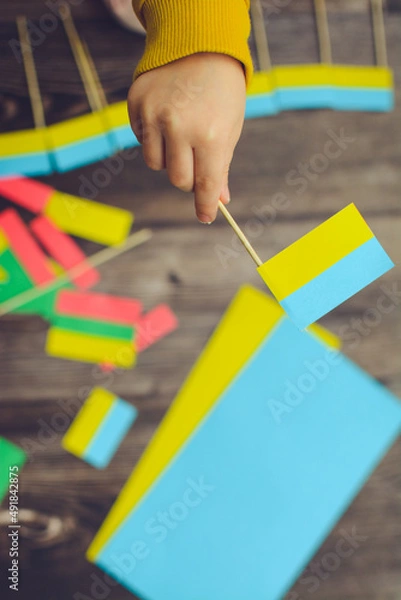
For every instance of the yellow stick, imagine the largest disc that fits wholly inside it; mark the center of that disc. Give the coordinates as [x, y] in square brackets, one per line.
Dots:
[259, 30]
[31, 75]
[379, 33]
[323, 32]
[100, 258]
[244, 240]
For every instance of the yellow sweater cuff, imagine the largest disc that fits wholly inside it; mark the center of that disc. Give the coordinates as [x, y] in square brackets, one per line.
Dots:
[179, 28]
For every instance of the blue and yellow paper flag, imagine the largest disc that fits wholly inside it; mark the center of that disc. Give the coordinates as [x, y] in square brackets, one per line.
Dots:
[325, 267]
[99, 428]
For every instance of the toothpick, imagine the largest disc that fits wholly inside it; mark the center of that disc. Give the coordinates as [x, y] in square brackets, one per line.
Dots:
[241, 235]
[31, 74]
[83, 65]
[259, 31]
[379, 33]
[323, 32]
[100, 258]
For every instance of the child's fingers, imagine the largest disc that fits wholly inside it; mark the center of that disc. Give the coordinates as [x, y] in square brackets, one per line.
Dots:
[153, 147]
[180, 163]
[210, 168]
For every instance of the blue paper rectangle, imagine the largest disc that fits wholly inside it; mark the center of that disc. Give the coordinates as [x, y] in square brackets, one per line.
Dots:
[261, 482]
[338, 283]
[82, 153]
[363, 99]
[261, 105]
[303, 98]
[26, 164]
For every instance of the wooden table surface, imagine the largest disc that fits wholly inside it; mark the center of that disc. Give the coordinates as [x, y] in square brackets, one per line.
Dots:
[64, 501]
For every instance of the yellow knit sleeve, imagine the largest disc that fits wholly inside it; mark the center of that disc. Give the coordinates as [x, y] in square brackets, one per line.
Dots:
[179, 28]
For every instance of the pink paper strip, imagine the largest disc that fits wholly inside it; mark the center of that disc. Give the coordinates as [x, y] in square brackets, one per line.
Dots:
[114, 309]
[26, 249]
[154, 325]
[28, 193]
[64, 250]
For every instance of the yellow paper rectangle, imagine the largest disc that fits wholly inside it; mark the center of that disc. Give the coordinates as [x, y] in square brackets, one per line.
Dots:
[262, 83]
[3, 242]
[117, 115]
[26, 141]
[76, 129]
[289, 76]
[362, 77]
[315, 252]
[88, 219]
[251, 316]
[63, 343]
[87, 421]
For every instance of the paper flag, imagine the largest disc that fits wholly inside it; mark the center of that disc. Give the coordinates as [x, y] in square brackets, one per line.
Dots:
[304, 86]
[363, 88]
[325, 267]
[28, 193]
[12, 461]
[102, 307]
[262, 96]
[90, 220]
[79, 141]
[26, 249]
[99, 428]
[155, 325]
[117, 117]
[64, 250]
[24, 151]
[260, 484]
[251, 316]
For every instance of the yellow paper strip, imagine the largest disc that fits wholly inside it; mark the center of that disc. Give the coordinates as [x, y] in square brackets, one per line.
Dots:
[362, 77]
[3, 242]
[26, 141]
[87, 421]
[74, 130]
[315, 252]
[88, 219]
[251, 316]
[302, 75]
[262, 83]
[117, 114]
[71, 345]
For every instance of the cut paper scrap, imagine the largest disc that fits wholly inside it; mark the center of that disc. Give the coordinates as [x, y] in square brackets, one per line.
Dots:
[251, 316]
[154, 325]
[28, 193]
[25, 248]
[12, 460]
[79, 141]
[99, 428]
[325, 267]
[88, 219]
[95, 305]
[262, 481]
[24, 152]
[64, 250]
[91, 341]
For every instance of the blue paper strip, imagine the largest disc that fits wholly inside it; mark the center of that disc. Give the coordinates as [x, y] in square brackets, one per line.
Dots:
[261, 105]
[338, 283]
[82, 153]
[364, 99]
[110, 434]
[262, 482]
[125, 137]
[26, 164]
[298, 98]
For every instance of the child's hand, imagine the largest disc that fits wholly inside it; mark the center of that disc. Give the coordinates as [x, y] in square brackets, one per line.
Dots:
[188, 115]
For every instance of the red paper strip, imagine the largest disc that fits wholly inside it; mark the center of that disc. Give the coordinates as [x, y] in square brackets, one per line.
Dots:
[154, 325]
[26, 249]
[28, 193]
[64, 250]
[114, 309]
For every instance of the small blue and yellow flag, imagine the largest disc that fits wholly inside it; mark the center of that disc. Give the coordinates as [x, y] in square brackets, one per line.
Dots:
[325, 267]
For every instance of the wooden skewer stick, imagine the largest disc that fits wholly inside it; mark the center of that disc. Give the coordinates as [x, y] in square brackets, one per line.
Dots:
[322, 24]
[100, 258]
[241, 235]
[379, 33]
[259, 30]
[95, 76]
[31, 75]
[81, 60]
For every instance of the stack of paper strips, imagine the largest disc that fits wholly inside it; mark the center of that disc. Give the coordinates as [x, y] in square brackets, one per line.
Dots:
[325, 267]
[99, 428]
[11, 463]
[209, 511]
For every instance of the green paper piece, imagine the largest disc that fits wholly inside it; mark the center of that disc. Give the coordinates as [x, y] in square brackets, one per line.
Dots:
[92, 326]
[10, 456]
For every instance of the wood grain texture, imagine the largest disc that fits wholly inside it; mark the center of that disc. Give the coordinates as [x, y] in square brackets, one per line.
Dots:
[64, 501]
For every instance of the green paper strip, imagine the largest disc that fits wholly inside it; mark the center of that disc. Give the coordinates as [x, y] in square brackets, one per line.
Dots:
[10, 456]
[92, 326]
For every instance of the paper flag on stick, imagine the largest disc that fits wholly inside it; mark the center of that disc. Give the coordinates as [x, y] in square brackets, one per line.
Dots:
[230, 490]
[99, 428]
[25, 247]
[12, 460]
[103, 307]
[88, 219]
[251, 316]
[28, 193]
[64, 250]
[325, 267]
[24, 152]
